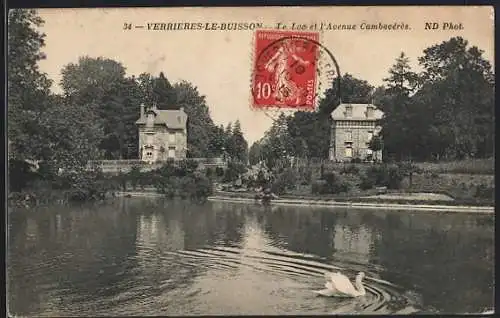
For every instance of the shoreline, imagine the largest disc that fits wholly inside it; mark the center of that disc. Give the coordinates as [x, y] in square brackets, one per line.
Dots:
[360, 205]
[336, 204]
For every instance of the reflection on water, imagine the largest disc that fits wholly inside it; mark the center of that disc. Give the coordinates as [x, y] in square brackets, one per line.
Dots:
[147, 257]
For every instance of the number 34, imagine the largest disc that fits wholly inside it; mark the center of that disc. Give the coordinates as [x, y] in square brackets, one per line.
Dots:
[127, 26]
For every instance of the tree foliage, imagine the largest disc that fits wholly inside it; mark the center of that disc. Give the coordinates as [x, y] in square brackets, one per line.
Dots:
[444, 112]
[201, 128]
[236, 145]
[458, 90]
[100, 86]
[307, 134]
[27, 88]
[163, 94]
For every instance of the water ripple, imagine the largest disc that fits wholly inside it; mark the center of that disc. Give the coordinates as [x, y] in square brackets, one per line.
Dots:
[307, 270]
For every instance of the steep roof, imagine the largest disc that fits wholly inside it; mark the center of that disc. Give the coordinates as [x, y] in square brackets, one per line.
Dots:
[172, 118]
[359, 112]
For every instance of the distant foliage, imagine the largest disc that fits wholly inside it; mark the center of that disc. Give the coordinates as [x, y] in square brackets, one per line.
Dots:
[233, 171]
[485, 191]
[331, 183]
[284, 181]
[219, 172]
[456, 86]
[183, 180]
[389, 176]
[305, 175]
[350, 169]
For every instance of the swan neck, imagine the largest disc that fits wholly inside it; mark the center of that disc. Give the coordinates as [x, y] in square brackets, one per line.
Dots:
[359, 287]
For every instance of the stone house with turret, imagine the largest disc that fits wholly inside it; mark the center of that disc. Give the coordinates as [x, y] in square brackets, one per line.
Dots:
[162, 134]
[354, 125]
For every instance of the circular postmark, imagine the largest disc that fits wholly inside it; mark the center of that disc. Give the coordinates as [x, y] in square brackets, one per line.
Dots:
[292, 70]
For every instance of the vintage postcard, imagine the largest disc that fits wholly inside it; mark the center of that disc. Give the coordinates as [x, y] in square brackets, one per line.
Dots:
[251, 160]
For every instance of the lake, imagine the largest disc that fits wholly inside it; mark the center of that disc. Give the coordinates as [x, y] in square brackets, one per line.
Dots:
[139, 256]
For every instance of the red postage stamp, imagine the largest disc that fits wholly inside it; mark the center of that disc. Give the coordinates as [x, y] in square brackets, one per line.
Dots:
[284, 74]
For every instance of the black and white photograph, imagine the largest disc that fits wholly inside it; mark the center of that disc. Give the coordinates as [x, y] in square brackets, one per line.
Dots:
[193, 161]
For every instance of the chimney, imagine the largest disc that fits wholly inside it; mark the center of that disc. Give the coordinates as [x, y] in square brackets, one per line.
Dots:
[181, 109]
[142, 110]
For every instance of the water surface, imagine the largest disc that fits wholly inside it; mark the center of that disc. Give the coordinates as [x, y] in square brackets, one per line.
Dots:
[155, 257]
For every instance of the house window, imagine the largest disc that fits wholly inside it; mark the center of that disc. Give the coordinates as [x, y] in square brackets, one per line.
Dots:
[150, 120]
[348, 152]
[369, 112]
[348, 135]
[171, 152]
[171, 138]
[370, 135]
[348, 111]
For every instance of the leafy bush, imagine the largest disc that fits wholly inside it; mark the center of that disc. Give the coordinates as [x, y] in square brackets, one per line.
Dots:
[186, 167]
[319, 187]
[219, 172]
[203, 187]
[183, 181]
[261, 179]
[350, 169]
[356, 160]
[389, 176]
[366, 182]
[209, 172]
[331, 184]
[20, 175]
[484, 191]
[83, 185]
[233, 171]
[305, 175]
[134, 175]
[394, 177]
[285, 180]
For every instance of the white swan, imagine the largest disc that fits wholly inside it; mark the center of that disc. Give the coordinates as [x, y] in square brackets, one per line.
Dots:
[338, 285]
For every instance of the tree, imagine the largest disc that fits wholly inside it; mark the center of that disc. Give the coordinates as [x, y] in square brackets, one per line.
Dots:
[145, 82]
[229, 146]
[239, 146]
[310, 135]
[277, 143]
[92, 80]
[217, 141]
[99, 85]
[27, 87]
[200, 125]
[121, 140]
[255, 153]
[401, 125]
[352, 90]
[71, 135]
[458, 89]
[401, 81]
[375, 145]
[163, 93]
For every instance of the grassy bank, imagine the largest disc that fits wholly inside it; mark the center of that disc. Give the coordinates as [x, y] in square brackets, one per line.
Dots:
[357, 182]
[468, 166]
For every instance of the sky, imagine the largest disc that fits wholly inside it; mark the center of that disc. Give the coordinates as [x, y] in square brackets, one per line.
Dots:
[219, 62]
